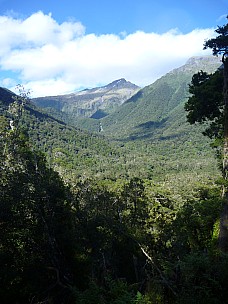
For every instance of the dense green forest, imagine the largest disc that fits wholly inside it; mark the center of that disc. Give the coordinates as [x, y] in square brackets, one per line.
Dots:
[128, 215]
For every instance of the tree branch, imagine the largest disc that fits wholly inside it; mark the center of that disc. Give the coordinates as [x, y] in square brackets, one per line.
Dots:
[158, 270]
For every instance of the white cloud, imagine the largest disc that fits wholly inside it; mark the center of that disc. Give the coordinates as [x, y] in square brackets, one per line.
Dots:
[53, 58]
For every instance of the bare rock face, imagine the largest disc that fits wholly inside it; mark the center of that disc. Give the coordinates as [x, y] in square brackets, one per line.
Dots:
[86, 103]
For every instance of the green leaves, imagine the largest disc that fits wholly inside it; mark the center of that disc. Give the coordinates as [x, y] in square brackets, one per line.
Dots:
[219, 45]
[206, 102]
[34, 218]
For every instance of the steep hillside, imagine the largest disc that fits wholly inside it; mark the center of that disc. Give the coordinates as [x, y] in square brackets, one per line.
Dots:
[156, 108]
[72, 152]
[95, 103]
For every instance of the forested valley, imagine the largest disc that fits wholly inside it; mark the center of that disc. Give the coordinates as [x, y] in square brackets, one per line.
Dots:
[129, 214]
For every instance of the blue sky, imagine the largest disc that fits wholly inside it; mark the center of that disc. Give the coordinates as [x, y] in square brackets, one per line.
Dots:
[55, 47]
[126, 15]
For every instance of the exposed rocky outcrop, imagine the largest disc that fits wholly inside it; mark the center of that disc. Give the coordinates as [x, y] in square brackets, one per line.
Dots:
[87, 102]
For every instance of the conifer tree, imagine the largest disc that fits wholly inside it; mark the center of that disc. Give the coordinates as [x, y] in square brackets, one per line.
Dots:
[219, 46]
[209, 102]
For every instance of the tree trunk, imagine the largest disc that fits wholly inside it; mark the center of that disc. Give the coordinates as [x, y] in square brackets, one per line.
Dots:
[223, 232]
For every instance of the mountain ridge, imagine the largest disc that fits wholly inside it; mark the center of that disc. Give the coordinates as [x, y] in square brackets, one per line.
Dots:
[148, 106]
[155, 104]
[87, 102]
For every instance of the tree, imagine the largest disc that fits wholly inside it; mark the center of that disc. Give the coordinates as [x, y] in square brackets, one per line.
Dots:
[17, 107]
[206, 102]
[219, 46]
[209, 104]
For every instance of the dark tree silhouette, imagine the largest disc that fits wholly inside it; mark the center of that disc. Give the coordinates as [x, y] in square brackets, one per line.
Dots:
[209, 102]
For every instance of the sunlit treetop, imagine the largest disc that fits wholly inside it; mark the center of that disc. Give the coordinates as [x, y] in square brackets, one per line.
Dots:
[219, 45]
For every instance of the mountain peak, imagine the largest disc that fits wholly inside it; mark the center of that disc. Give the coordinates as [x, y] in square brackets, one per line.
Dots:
[87, 102]
[194, 64]
[198, 60]
[120, 83]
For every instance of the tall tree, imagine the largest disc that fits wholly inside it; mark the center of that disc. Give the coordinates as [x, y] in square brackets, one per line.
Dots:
[219, 46]
[209, 102]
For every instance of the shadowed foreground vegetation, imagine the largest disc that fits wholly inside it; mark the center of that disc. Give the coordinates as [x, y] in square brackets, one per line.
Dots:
[122, 241]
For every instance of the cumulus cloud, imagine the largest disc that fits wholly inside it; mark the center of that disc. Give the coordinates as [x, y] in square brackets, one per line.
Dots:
[51, 58]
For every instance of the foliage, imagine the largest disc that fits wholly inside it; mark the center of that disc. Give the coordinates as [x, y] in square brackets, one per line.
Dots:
[206, 102]
[209, 103]
[206, 106]
[94, 242]
[33, 223]
[219, 45]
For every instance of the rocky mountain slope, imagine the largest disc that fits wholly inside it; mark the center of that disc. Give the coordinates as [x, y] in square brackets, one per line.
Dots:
[95, 103]
[69, 150]
[154, 111]
[158, 109]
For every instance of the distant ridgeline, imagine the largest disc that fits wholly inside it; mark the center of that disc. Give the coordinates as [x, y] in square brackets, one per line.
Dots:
[96, 102]
[158, 109]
